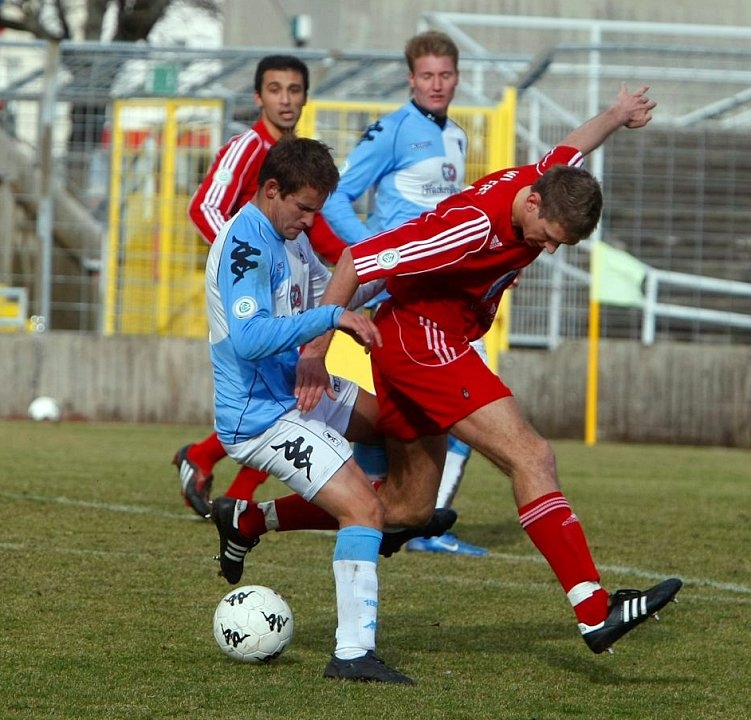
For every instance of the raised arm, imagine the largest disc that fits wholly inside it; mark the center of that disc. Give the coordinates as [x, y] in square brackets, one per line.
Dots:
[629, 109]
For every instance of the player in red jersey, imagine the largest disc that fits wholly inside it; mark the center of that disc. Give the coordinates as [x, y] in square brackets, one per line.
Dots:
[446, 272]
[281, 91]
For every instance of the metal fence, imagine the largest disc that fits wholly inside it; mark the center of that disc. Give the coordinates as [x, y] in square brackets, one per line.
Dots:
[676, 193]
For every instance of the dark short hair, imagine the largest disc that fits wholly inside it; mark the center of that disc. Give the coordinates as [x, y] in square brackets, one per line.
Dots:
[572, 197]
[296, 163]
[431, 42]
[281, 62]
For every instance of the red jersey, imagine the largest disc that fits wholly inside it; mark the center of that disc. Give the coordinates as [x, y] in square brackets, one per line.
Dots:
[451, 265]
[232, 181]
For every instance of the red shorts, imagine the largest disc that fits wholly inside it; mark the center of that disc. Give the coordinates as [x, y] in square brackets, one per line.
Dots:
[425, 380]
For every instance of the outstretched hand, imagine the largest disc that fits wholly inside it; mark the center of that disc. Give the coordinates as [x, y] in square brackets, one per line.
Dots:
[636, 106]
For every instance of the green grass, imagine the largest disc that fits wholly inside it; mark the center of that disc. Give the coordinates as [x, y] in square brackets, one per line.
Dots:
[108, 589]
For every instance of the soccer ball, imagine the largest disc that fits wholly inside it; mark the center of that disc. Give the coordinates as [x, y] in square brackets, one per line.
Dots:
[253, 624]
[44, 408]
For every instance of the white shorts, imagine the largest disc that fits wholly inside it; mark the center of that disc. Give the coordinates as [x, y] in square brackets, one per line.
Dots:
[304, 451]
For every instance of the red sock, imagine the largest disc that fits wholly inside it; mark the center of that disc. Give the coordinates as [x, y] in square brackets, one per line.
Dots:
[207, 453]
[286, 513]
[294, 513]
[245, 483]
[558, 535]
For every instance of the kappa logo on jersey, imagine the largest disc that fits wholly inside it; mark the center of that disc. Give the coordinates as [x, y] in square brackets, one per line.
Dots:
[448, 170]
[293, 451]
[388, 258]
[295, 297]
[244, 307]
[241, 254]
[375, 127]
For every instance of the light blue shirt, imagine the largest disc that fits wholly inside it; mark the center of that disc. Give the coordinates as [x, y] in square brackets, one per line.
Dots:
[261, 293]
[411, 162]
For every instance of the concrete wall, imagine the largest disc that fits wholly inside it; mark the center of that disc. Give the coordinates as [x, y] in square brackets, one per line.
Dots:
[386, 24]
[671, 392]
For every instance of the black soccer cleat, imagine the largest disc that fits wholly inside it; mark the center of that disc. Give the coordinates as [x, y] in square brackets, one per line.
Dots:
[195, 487]
[443, 519]
[233, 547]
[629, 608]
[368, 668]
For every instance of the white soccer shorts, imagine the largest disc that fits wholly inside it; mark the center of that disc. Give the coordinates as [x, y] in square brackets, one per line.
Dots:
[304, 451]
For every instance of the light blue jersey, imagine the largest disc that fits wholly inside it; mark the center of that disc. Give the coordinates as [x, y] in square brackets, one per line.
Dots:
[412, 162]
[261, 293]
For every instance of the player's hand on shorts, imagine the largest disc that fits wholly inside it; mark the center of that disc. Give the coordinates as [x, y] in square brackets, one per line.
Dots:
[312, 381]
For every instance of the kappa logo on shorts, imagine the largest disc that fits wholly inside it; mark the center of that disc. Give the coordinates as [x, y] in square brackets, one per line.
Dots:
[388, 258]
[293, 451]
[465, 393]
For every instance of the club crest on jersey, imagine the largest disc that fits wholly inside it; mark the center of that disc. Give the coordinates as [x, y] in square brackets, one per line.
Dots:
[223, 177]
[244, 307]
[448, 170]
[295, 297]
[388, 258]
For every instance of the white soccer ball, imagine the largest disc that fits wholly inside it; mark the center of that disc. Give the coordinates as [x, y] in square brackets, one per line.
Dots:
[253, 624]
[44, 408]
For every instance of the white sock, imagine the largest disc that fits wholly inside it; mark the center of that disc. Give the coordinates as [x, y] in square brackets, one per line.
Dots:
[453, 472]
[357, 606]
[269, 514]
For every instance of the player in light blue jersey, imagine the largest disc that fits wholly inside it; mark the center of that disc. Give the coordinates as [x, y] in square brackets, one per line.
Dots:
[262, 284]
[412, 158]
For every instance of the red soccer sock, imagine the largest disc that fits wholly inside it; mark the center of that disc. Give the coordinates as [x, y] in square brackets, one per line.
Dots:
[290, 512]
[556, 532]
[294, 513]
[207, 453]
[245, 483]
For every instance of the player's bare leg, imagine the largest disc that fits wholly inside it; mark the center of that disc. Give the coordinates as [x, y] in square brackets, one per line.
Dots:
[547, 518]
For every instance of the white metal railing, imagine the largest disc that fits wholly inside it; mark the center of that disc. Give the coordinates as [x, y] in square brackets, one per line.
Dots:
[651, 308]
[654, 309]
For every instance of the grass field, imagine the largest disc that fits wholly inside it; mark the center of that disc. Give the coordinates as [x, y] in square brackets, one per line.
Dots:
[108, 587]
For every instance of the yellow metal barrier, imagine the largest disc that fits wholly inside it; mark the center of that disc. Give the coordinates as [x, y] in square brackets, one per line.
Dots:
[161, 149]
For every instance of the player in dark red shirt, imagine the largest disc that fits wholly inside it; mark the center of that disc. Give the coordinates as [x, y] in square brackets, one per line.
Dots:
[446, 272]
[281, 90]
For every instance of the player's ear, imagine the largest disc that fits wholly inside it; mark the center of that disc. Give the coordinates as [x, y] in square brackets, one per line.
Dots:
[533, 202]
[271, 188]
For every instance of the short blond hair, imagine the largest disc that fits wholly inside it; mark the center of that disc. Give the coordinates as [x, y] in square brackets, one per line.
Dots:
[431, 42]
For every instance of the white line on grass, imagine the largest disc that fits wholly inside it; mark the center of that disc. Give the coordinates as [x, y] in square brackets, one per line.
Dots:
[145, 510]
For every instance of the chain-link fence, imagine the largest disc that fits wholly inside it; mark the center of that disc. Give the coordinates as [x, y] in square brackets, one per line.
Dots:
[676, 193]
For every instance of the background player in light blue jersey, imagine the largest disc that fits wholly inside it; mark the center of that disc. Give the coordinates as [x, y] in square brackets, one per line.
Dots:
[263, 282]
[412, 159]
